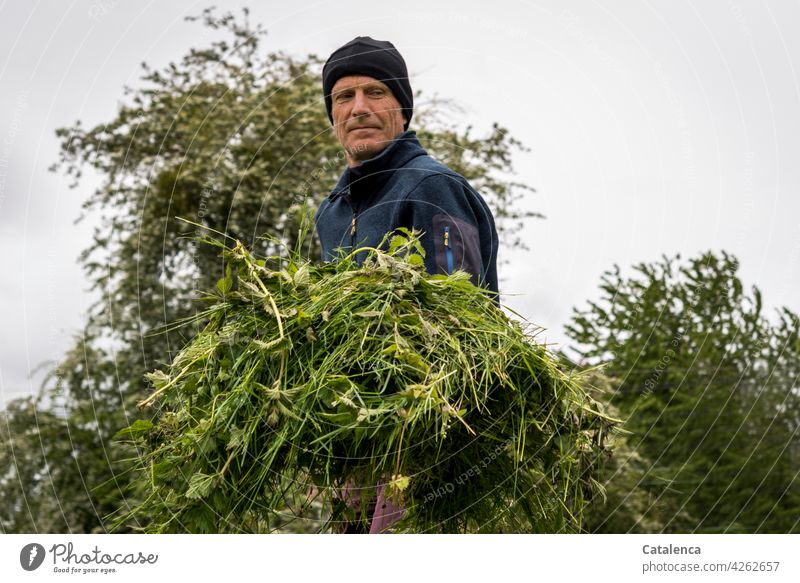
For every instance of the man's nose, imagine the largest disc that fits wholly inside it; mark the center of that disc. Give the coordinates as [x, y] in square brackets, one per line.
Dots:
[360, 104]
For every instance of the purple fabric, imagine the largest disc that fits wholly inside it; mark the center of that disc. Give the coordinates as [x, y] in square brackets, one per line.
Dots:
[385, 513]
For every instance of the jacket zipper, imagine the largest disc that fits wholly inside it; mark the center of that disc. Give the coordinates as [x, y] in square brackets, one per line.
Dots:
[352, 221]
[447, 248]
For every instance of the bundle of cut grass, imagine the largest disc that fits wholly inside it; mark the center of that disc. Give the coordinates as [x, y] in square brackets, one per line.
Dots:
[311, 377]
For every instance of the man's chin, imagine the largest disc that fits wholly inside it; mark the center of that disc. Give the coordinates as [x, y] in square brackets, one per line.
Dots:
[365, 149]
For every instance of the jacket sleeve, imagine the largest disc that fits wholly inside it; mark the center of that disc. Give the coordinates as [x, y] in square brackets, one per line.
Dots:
[447, 211]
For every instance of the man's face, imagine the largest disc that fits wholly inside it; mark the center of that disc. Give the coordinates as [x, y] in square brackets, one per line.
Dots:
[366, 117]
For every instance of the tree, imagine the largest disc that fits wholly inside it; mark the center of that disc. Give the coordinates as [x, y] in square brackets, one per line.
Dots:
[708, 386]
[230, 139]
[627, 503]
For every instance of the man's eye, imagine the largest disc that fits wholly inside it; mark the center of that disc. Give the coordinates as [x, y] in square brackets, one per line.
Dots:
[377, 92]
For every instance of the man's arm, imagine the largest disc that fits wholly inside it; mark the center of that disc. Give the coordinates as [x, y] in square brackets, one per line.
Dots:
[459, 231]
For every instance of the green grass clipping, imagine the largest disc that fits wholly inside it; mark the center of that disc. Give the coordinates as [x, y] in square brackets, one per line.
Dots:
[308, 377]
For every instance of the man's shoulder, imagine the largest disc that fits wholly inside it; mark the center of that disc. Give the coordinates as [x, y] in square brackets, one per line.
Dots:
[428, 162]
[431, 173]
[325, 202]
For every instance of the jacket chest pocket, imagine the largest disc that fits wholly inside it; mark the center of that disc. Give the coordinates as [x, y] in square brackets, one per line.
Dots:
[457, 246]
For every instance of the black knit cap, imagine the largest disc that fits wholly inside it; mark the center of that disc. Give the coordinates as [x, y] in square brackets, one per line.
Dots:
[378, 59]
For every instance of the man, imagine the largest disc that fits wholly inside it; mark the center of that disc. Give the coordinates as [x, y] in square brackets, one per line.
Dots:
[390, 182]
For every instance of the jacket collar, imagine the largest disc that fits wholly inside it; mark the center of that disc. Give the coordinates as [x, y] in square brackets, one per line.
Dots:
[369, 177]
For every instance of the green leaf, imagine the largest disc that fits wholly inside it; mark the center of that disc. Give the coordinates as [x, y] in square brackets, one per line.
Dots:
[396, 242]
[416, 260]
[200, 486]
[225, 284]
[399, 482]
[158, 377]
[302, 276]
[369, 314]
[138, 428]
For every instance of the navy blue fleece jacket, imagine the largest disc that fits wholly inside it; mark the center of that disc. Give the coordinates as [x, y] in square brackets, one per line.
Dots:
[404, 187]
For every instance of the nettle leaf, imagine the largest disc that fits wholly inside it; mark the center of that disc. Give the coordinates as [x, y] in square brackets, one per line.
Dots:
[396, 242]
[416, 260]
[158, 377]
[225, 284]
[200, 486]
[138, 428]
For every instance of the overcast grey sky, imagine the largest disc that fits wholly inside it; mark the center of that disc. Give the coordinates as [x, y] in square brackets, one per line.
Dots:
[654, 127]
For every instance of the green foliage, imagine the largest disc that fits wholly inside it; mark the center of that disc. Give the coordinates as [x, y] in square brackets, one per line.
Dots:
[628, 479]
[307, 378]
[236, 140]
[43, 456]
[708, 387]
